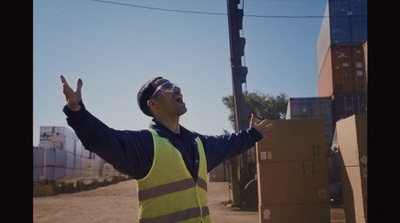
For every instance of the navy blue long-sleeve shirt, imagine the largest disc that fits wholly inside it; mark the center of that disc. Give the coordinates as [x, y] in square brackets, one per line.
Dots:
[132, 152]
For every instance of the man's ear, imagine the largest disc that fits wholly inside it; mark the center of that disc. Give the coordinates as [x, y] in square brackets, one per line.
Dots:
[151, 103]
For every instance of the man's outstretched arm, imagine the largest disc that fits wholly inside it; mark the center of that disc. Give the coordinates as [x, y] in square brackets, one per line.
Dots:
[128, 151]
[220, 148]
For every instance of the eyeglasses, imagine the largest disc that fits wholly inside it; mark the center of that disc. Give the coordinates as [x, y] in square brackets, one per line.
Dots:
[167, 86]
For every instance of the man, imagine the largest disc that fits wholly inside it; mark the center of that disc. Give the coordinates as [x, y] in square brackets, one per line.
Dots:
[170, 163]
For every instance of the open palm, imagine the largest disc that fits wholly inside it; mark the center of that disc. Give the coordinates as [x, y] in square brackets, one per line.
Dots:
[264, 127]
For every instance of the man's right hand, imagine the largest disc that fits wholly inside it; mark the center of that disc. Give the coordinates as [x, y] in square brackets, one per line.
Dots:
[73, 97]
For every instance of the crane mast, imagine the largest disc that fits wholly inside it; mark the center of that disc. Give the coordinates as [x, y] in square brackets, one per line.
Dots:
[240, 167]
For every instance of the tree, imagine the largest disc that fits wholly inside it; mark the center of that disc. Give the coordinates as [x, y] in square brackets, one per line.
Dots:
[265, 106]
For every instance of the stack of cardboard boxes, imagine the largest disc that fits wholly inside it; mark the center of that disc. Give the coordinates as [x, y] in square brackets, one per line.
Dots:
[352, 141]
[293, 184]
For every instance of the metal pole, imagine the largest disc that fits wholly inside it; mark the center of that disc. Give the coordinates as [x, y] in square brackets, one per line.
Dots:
[241, 109]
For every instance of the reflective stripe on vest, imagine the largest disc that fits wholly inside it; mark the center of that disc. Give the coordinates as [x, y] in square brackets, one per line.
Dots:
[169, 193]
[170, 188]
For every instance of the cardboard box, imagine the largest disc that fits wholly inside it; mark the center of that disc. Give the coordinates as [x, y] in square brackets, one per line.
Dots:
[293, 182]
[295, 139]
[293, 179]
[354, 184]
[352, 141]
[304, 213]
[313, 107]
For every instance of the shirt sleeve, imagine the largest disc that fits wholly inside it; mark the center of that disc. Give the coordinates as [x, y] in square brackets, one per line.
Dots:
[224, 147]
[130, 152]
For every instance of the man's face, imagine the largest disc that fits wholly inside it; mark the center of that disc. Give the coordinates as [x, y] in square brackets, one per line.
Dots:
[168, 98]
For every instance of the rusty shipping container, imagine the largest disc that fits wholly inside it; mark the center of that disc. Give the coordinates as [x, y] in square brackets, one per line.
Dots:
[348, 70]
[348, 105]
[343, 72]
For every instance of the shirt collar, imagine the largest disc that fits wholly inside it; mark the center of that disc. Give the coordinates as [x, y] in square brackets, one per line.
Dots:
[163, 131]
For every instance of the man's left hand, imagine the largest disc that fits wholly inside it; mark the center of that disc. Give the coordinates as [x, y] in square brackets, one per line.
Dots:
[265, 128]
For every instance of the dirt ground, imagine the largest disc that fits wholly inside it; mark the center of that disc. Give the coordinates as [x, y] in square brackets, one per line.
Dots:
[118, 203]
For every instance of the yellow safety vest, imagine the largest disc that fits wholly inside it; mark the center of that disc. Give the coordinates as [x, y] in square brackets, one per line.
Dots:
[168, 193]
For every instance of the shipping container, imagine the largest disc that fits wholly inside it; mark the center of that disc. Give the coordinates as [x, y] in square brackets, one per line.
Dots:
[343, 72]
[292, 173]
[325, 80]
[348, 105]
[324, 39]
[348, 22]
[348, 70]
[352, 142]
[313, 107]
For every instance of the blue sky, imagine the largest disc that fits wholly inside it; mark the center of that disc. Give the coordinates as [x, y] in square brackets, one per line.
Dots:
[115, 49]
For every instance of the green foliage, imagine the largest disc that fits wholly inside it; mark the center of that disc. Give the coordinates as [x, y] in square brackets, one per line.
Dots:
[264, 106]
